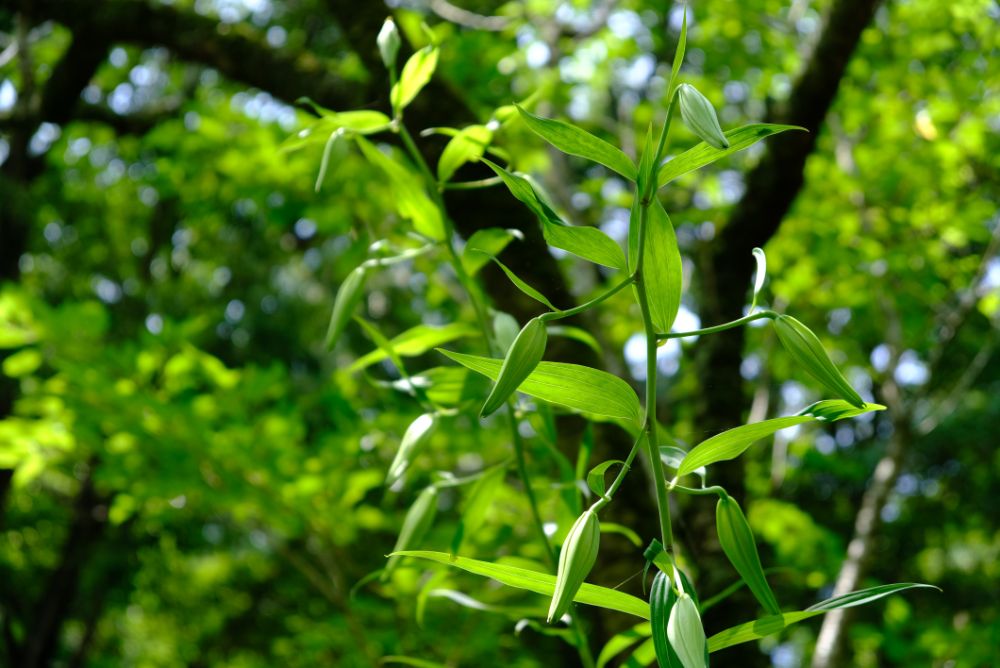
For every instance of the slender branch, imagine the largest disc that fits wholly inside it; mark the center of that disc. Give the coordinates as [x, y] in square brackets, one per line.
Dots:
[558, 315]
[620, 478]
[719, 328]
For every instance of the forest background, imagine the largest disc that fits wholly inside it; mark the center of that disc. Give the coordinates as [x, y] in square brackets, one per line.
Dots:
[188, 476]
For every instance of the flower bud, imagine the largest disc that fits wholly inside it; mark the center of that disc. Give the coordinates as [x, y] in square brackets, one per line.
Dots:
[521, 360]
[699, 115]
[578, 555]
[388, 42]
[416, 435]
[686, 634]
[807, 351]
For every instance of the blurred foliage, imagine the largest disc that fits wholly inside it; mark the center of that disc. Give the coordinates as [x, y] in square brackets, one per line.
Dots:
[165, 337]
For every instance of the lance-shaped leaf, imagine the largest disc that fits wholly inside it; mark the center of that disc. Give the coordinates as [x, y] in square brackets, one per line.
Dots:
[467, 146]
[476, 505]
[589, 243]
[418, 433]
[737, 542]
[581, 388]
[765, 626]
[524, 287]
[734, 442]
[686, 633]
[416, 73]
[484, 245]
[571, 139]
[662, 269]
[699, 115]
[577, 557]
[807, 351]
[522, 358]
[418, 520]
[445, 385]
[621, 642]
[703, 154]
[595, 479]
[538, 582]
[348, 295]
[409, 196]
[330, 122]
[661, 603]
[416, 341]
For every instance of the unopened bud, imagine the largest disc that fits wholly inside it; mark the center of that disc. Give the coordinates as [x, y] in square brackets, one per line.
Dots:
[686, 634]
[578, 555]
[699, 115]
[388, 42]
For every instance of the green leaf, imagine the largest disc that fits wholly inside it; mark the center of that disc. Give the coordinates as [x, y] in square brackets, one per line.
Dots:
[580, 388]
[476, 505]
[418, 520]
[409, 661]
[675, 67]
[467, 146]
[538, 582]
[672, 457]
[522, 358]
[621, 530]
[485, 244]
[409, 195]
[571, 139]
[737, 542]
[524, 287]
[621, 642]
[589, 243]
[445, 385]
[348, 295]
[734, 442]
[770, 625]
[661, 603]
[595, 479]
[703, 154]
[467, 601]
[505, 330]
[415, 75]
[416, 341]
[577, 334]
[807, 351]
[357, 122]
[662, 269]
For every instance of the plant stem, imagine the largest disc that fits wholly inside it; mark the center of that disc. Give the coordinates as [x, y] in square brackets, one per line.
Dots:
[702, 491]
[656, 466]
[558, 315]
[620, 478]
[719, 328]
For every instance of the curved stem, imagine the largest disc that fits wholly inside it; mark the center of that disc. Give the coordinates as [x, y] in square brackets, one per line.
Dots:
[700, 491]
[620, 478]
[558, 315]
[719, 328]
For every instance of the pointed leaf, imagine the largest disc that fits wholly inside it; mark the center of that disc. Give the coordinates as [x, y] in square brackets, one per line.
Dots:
[571, 139]
[409, 195]
[761, 273]
[662, 269]
[485, 244]
[538, 582]
[524, 287]
[770, 625]
[621, 642]
[703, 154]
[589, 243]
[661, 603]
[581, 388]
[522, 358]
[418, 520]
[595, 479]
[476, 505]
[416, 73]
[734, 442]
[467, 146]
[416, 341]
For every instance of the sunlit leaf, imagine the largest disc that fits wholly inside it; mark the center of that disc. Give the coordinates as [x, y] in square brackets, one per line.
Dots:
[416, 73]
[524, 287]
[770, 625]
[737, 542]
[538, 582]
[409, 195]
[575, 141]
[417, 341]
[484, 245]
[467, 146]
[581, 388]
[703, 154]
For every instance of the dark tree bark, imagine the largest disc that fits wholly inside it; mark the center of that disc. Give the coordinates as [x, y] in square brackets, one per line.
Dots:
[771, 189]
